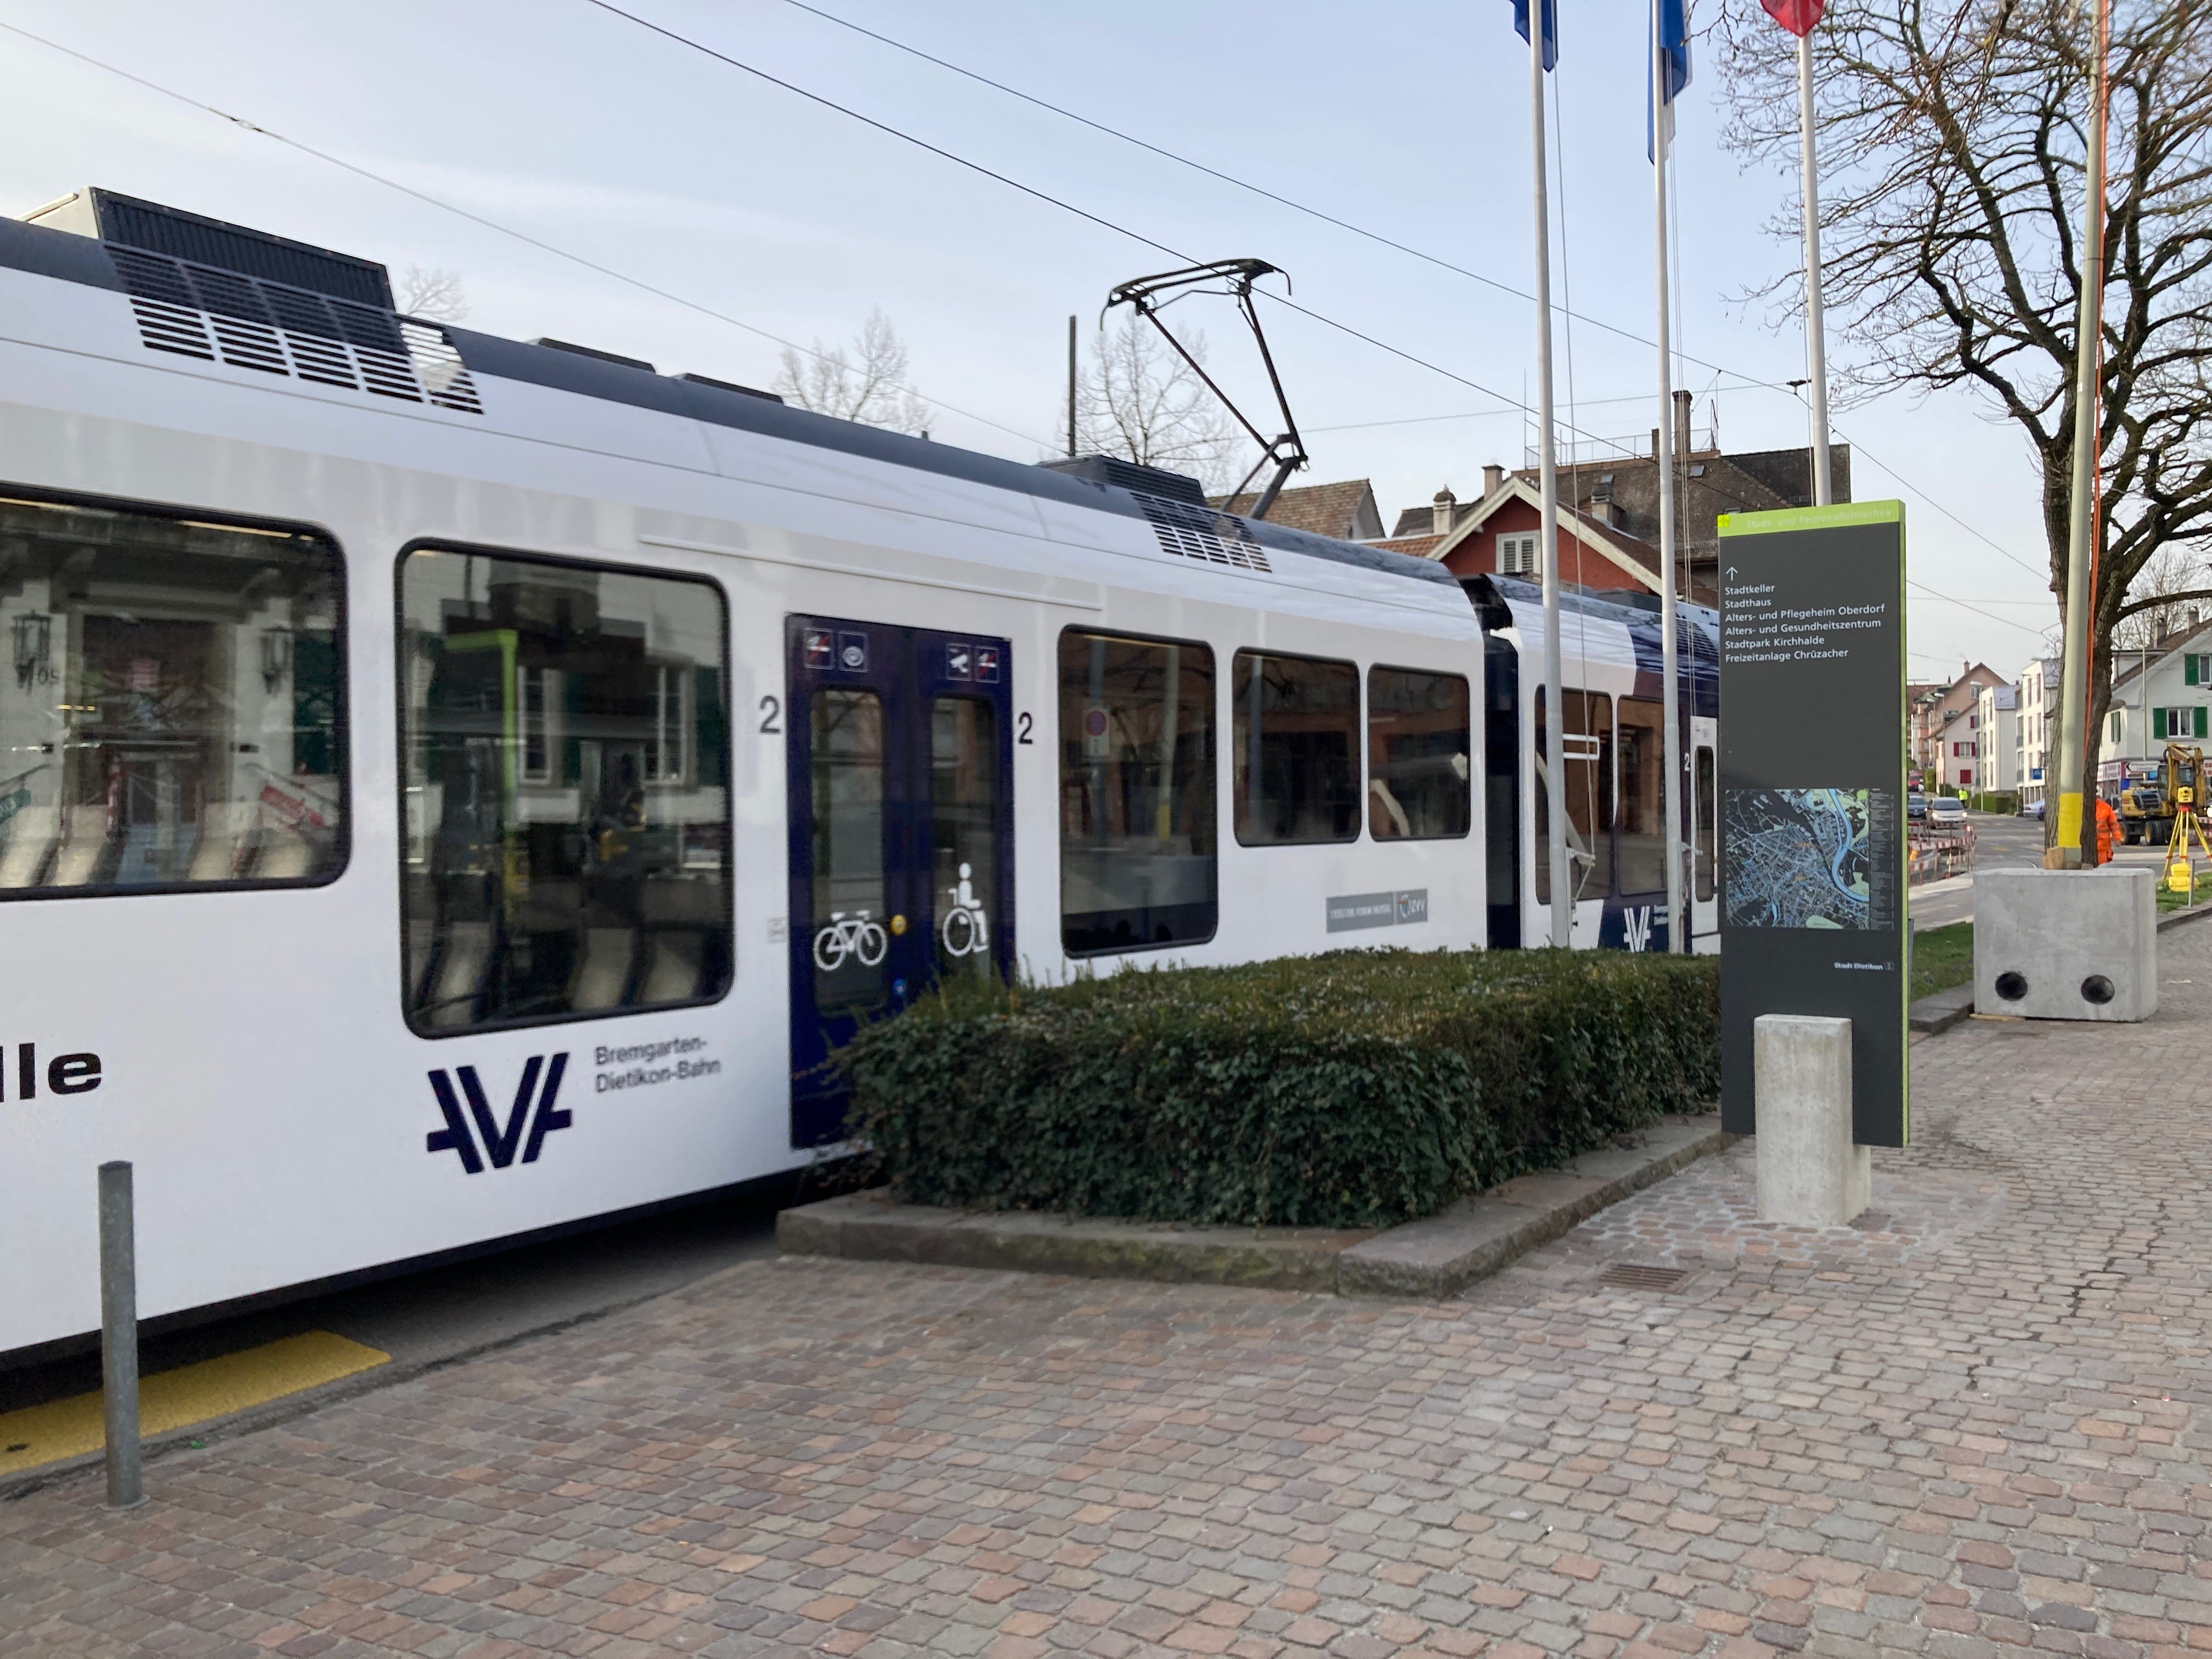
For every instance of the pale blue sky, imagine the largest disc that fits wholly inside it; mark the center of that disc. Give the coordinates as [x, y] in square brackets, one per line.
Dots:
[588, 132]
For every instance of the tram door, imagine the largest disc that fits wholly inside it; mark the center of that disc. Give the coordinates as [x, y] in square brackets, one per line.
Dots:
[1704, 807]
[899, 755]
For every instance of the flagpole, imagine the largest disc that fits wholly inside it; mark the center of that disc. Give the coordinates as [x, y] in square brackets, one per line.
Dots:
[1555, 723]
[1678, 920]
[1816, 345]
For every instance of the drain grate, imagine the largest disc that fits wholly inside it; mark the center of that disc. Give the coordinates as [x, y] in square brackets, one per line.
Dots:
[1638, 1276]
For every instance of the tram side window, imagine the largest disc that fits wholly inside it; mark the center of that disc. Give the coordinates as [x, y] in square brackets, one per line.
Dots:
[564, 744]
[1296, 734]
[1642, 798]
[176, 718]
[1418, 755]
[1587, 741]
[1137, 850]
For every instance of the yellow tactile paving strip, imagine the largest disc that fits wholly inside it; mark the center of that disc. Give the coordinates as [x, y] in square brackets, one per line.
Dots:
[191, 1393]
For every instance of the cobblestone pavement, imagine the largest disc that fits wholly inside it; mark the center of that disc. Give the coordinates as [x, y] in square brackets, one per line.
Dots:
[1967, 1426]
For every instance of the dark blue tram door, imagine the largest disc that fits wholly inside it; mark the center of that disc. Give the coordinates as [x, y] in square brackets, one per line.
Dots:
[900, 760]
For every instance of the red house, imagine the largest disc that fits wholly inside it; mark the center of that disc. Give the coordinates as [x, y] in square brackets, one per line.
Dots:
[1500, 535]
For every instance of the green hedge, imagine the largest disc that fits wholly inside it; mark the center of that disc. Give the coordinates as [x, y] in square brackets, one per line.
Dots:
[1994, 800]
[1359, 1088]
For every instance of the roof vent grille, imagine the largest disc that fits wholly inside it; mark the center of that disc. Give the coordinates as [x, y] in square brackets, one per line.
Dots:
[1201, 533]
[248, 322]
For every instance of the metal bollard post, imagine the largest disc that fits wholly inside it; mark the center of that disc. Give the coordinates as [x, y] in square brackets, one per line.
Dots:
[118, 1335]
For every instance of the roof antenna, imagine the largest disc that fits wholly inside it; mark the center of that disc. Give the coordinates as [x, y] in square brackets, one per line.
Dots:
[1288, 452]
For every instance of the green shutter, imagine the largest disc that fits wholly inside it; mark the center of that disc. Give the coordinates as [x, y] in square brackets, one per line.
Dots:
[2158, 722]
[2200, 720]
[2189, 672]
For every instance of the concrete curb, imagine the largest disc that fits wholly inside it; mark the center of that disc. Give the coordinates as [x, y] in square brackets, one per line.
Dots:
[1940, 1010]
[1426, 1260]
[2177, 918]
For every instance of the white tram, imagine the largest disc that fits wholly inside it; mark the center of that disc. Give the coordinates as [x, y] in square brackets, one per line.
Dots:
[455, 787]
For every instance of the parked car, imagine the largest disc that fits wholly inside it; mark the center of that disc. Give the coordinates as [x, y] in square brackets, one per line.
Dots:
[1946, 812]
[1916, 807]
[2032, 809]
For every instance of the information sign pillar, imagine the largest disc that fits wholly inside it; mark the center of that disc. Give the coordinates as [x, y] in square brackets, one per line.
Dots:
[1812, 746]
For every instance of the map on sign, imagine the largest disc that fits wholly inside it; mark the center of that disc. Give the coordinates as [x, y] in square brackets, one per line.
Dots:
[1798, 857]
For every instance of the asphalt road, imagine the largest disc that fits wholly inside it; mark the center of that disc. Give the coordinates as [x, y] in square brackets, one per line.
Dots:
[2000, 842]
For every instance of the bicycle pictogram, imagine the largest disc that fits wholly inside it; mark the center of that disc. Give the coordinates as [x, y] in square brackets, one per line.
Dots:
[854, 936]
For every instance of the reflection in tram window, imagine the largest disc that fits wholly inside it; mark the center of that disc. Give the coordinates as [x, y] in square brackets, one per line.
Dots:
[567, 832]
[1418, 755]
[1297, 749]
[1136, 793]
[963, 802]
[177, 715]
[847, 850]
[1643, 800]
[1588, 742]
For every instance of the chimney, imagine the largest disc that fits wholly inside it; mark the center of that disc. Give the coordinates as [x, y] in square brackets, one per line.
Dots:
[1681, 424]
[1444, 510]
[1655, 443]
[1493, 476]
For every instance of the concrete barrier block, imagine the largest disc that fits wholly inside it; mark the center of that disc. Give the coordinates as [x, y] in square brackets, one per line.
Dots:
[2066, 944]
[1810, 1172]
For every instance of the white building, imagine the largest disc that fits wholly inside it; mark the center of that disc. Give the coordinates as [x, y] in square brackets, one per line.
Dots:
[1996, 717]
[2035, 726]
[2160, 696]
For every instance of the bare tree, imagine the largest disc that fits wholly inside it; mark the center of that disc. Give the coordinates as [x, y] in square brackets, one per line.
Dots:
[868, 385]
[435, 295]
[1137, 399]
[1950, 236]
[2156, 608]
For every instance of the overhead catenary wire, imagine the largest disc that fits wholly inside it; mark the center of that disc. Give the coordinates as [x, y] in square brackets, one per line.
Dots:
[588, 264]
[1381, 240]
[1038, 194]
[644, 286]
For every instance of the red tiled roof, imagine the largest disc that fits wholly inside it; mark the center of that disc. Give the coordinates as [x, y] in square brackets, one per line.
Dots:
[1328, 509]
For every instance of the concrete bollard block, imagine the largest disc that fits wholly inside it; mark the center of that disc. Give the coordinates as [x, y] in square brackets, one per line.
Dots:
[1811, 1173]
[2066, 944]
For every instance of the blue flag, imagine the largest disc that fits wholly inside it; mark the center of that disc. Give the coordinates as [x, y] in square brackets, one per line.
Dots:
[1672, 17]
[1551, 29]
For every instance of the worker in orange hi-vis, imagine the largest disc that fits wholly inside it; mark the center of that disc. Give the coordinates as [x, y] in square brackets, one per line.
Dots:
[2108, 830]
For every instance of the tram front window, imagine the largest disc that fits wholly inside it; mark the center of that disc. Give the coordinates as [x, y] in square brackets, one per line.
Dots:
[564, 743]
[1643, 795]
[177, 719]
[1587, 740]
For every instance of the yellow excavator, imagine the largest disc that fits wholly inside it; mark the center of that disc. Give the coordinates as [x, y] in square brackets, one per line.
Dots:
[2185, 784]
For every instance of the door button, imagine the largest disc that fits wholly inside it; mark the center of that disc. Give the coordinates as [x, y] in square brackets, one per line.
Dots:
[898, 924]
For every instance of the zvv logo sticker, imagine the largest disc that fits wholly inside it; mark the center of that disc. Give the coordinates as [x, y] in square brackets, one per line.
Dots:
[499, 1143]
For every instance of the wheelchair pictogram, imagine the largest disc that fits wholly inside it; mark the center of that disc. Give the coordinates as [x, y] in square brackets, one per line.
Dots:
[966, 931]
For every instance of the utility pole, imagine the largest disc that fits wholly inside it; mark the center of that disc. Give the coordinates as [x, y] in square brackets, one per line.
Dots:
[1071, 388]
[2066, 854]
